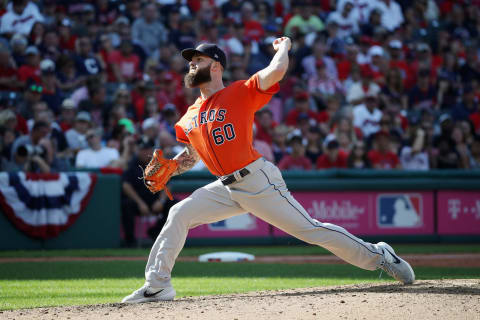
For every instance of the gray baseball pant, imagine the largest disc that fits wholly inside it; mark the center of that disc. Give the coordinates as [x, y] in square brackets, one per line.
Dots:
[264, 193]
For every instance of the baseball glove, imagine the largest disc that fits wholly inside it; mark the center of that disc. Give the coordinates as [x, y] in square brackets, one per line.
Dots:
[158, 171]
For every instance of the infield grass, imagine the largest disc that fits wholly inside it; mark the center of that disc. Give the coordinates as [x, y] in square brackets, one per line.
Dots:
[41, 284]
[293, 250]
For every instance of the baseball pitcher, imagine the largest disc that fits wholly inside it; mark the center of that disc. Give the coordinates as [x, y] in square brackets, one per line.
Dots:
[217, 128]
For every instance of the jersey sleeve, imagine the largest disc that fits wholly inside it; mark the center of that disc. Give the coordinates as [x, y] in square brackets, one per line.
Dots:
[180, 134]
[259, 97]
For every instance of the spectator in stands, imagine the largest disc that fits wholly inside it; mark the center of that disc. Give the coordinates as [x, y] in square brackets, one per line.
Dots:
[8, 70]
[31, 96]
[359, 90]
[96, 156]
[381, 156]
[333, 157]
[360, 10]
[461, 147]
[475, 153]
[67, 115]
[18, 45]
[358, 159]
[305, 21]
[127, 63]
[345, 18]
[51, 94]
[20, 17]
[265, 125]
[138, 200]
[394, 89]
[468, 105]
[319, 52]
[302, 106]
[76, 136]
[296, 160]
[96, 105]
[321, 85]
[392, 16]
[327, 116]
[377, 64]
[33, 152]
[148, 31]
[280, 146]
[374, 23]
[469, 70]
[253, 28]
[367, 116]
[262, 146]
[422, 95]
[313, 148]
[30, 71]
[86, 63]
[413, 156]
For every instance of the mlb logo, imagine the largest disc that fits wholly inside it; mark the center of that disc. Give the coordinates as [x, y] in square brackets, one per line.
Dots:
[399, 211]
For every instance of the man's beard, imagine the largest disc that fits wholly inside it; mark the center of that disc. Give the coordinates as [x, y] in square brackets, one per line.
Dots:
[201, 76]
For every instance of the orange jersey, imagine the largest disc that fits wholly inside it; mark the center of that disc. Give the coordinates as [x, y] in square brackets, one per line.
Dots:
[220, 127]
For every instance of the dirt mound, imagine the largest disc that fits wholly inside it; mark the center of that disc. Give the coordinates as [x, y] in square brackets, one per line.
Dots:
[440, 299]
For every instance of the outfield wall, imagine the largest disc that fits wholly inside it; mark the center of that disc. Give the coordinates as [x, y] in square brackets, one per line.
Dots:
[426, 206]
[402, 205]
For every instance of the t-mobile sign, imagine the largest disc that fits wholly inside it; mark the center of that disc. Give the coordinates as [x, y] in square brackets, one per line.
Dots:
[370, 212]
[458, 212]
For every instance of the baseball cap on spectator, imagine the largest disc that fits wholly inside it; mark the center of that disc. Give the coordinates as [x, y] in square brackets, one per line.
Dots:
[148, 123]
[301, 96]
[145, 143]
[32, 50]
[68, 104]
[444, 117]
[423, 47]
[128, 124]
[18, 39]
[382, 133]
[302, 116]
[169, 109]
[208, 49]
[83, 116]
[66, 22]
[333, 144]
[395, 44]
[295, 139]
[6, 115]
[293, 133]
[47, 66]
[375, 51]
[122, 20]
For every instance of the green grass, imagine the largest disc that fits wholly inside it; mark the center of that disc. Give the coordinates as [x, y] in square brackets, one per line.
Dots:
[28, 285]
[258, 251]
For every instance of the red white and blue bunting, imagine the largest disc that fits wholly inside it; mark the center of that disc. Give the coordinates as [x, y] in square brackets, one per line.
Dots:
[43, 205]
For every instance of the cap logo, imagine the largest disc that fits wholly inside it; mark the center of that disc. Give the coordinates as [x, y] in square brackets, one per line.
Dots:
[216, 56]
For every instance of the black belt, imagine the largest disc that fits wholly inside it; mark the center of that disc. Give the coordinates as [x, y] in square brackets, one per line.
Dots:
[226, 180]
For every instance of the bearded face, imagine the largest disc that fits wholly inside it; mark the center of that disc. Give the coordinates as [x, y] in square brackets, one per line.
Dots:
[198, 77]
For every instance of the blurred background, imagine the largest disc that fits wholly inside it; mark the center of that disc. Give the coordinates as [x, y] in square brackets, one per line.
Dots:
[382, 93]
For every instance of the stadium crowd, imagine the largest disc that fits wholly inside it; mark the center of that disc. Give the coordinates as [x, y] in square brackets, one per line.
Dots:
[371, 83]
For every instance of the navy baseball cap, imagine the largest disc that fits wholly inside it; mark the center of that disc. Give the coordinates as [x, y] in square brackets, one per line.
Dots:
[207, 49]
